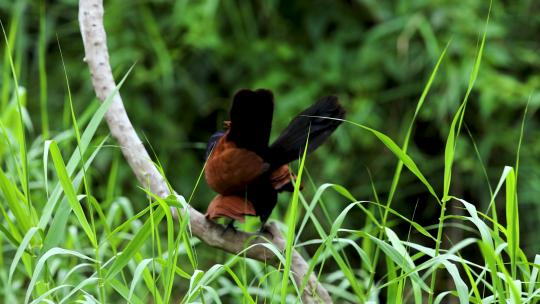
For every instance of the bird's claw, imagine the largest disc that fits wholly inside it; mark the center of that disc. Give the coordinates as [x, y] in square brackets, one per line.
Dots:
[264, 231]
[230, 225]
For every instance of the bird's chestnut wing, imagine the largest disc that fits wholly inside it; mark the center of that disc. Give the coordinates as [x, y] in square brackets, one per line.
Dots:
[282, 178]
[229, 206]
[230, 169]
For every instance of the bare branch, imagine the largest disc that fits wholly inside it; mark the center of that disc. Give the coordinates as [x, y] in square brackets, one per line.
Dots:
[97, 57]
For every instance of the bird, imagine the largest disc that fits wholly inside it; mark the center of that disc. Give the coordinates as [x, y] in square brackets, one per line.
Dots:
[245, 170]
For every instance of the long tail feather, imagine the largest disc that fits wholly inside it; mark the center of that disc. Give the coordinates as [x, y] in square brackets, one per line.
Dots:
[290, 144]
[251, 119]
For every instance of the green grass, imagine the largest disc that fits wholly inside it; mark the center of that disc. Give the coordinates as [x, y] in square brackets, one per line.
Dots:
[69, 233]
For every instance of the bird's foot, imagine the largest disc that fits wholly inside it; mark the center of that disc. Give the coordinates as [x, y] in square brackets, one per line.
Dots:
[264, 231]
[230, 226]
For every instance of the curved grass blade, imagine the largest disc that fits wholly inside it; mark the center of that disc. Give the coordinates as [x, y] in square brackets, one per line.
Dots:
[41, 263]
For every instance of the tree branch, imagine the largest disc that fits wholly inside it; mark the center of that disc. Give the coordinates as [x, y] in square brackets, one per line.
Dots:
[97, 57]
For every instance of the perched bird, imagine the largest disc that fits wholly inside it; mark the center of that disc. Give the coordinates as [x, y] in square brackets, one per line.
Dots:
[247, 172]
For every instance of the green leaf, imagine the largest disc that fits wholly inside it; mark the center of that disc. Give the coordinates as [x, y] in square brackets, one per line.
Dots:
[134, 245]
[69, 191]
[41, 264]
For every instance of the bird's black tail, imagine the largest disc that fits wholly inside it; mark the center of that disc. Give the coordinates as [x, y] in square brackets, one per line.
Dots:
[251, 119]
[290, 144]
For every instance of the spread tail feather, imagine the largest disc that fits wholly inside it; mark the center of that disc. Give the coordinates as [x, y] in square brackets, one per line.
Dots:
[290, 144]
[251, 119]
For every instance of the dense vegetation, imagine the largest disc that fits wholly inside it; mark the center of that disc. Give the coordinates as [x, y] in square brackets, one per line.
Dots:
[453, 93]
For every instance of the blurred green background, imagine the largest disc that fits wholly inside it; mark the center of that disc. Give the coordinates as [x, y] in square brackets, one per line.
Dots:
[191, 56]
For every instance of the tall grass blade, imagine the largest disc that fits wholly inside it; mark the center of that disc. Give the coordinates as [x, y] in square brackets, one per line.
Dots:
[75, 158]
[69, 190]
[291, 224]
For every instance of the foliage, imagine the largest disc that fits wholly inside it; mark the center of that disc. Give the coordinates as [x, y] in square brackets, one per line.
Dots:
[465, 154]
